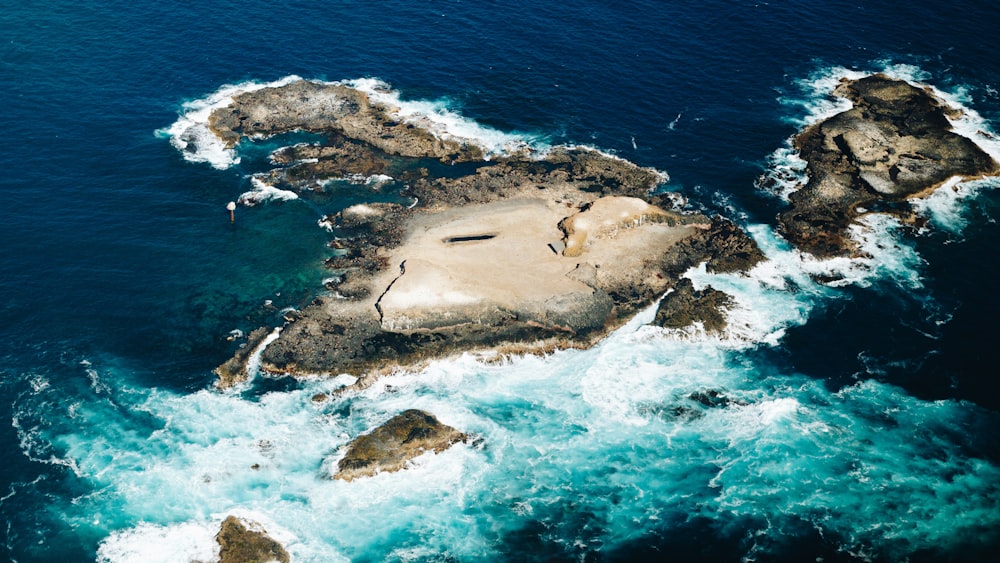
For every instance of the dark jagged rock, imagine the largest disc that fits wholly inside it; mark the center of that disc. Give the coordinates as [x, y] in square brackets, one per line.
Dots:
[234, 370]
[684, 306]
[712, 399]
[724, 247]
[895, 144]
[242, 545]
[390, 446]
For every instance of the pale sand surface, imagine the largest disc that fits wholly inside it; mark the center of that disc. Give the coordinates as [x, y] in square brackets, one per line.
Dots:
[482, 262]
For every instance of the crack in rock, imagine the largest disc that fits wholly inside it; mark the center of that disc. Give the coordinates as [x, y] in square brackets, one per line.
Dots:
[378, 302]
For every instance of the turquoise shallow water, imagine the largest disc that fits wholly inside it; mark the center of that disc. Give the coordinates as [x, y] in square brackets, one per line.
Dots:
[862, 422]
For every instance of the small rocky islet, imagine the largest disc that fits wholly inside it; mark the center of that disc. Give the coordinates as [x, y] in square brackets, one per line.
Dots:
[894, 145]
[243, 541]
[524, 252]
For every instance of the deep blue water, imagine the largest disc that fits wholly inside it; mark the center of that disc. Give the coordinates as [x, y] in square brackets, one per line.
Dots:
[121, 277]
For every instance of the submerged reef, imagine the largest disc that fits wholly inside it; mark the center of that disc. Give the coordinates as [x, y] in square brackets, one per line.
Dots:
[895, 144]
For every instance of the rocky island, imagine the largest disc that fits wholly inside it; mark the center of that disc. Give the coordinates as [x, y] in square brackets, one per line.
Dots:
[517, 252]
[894, 145]
[246, 542]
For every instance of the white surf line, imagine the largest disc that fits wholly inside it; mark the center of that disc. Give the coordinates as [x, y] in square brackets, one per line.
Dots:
[253, 362]
[441, 120]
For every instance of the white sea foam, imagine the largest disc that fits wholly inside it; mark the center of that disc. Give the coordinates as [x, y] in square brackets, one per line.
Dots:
[819, 103]
[781, 292]
[262, 191]
[783, 449]
[662, 176]
[190, 133]
[185, 541]
[869, 466]
[439, 119]
[39, 383]
[885, 255]
[947, 206]
[764, 305]
[253, 362]
[373, 180]
[969, 123]
[152, 543]
[786, 172]
[878, 234]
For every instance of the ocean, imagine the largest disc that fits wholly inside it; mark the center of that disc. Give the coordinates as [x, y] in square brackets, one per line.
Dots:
[864, 420]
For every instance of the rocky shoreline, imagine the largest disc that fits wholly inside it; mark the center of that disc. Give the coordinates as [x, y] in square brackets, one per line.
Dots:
[526, 252]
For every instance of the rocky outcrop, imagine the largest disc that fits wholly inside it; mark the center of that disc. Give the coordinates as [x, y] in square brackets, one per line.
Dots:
[723, 246]
[242, 544]
[684, 306]
[896, 143]
[234, 370]
[522, 252]
[392, 445]
[489, 276]
[604, 218]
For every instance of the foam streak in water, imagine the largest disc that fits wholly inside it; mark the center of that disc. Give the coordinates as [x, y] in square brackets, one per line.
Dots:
[262, 191]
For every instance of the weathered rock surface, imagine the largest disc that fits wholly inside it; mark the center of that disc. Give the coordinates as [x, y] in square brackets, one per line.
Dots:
[390, 446]
[240, 544]
[522, 253]
[322, 108]
[684, 306]
[895, 143]
[723, 246]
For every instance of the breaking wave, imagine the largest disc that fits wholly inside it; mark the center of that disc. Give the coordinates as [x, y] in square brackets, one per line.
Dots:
[785, 171]
[683, 428]
[262, 191]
